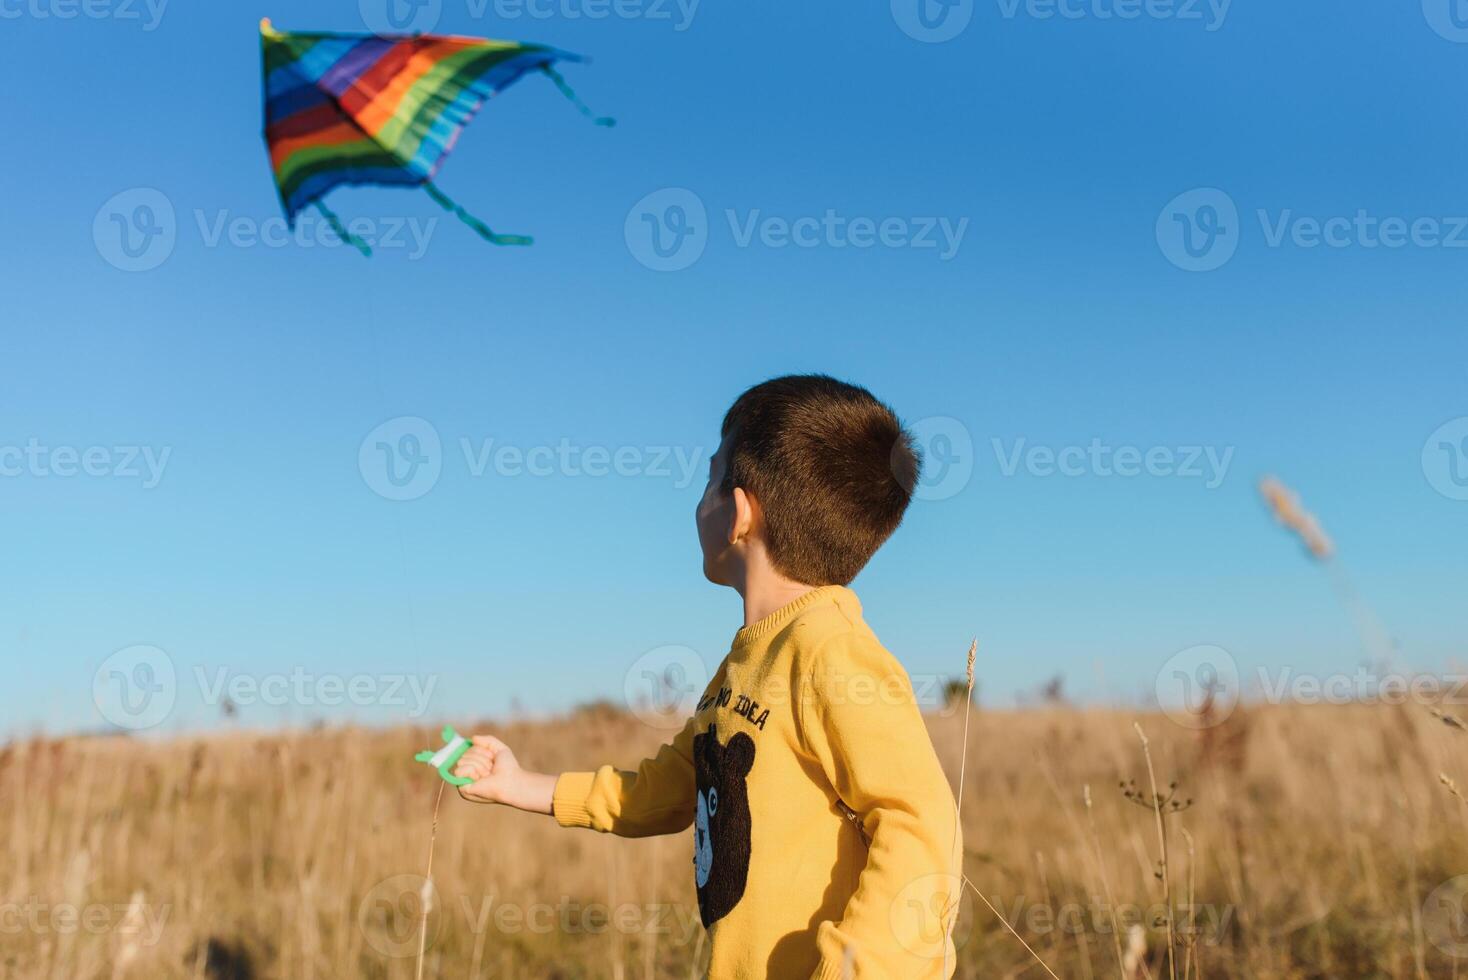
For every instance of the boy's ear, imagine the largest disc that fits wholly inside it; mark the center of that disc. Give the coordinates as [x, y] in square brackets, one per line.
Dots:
[744, 516]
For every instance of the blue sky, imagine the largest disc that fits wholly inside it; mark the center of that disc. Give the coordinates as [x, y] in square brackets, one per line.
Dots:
[1073, 160]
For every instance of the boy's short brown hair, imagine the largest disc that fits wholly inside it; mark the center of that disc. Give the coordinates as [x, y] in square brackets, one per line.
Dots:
[832, 468]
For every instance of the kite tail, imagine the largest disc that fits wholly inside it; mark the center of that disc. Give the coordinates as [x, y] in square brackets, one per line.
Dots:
[341, 230]
[570, 93]
[483, 229]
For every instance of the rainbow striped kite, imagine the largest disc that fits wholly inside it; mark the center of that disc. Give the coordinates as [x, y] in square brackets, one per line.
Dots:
[346, 109]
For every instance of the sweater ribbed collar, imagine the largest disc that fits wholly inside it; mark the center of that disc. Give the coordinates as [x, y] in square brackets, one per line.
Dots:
[774, 621]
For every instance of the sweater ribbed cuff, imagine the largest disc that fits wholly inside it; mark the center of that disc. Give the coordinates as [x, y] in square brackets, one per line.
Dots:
[568, 803]
[827, 971]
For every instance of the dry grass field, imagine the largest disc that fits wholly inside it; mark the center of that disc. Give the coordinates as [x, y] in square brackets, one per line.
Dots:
[1317, 845]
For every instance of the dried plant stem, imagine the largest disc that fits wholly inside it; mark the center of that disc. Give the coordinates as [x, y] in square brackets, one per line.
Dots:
[428, 883]
[953, 848]
[1162, 843]
[973, 650]
[1000, 916]
[1105, 880]
[1192, 883]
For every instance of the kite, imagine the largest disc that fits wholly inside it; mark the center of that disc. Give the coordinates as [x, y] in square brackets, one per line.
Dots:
[365, 109]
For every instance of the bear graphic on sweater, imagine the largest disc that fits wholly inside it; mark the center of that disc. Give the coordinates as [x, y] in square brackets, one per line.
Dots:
[721, 822]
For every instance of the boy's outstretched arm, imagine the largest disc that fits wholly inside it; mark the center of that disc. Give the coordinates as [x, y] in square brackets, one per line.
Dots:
[860, 719]
[656, 799]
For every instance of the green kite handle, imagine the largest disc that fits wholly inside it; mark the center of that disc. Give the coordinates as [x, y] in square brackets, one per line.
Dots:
[444, 759]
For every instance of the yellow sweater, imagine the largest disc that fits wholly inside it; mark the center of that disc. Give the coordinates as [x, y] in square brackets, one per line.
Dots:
[807, 718]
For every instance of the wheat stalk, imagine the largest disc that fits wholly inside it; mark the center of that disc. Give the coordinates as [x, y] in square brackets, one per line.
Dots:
[973, 651]
[1105, 879]
[953, 848]
[1192, 940]
[1162, 841]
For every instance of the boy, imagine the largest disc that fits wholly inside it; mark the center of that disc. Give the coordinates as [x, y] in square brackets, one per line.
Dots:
[824, 829]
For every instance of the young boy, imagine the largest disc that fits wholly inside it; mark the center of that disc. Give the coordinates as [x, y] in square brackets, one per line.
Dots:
[824, 829]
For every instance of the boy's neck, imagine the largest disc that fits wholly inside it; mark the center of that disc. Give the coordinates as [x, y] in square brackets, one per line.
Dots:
[765, 591]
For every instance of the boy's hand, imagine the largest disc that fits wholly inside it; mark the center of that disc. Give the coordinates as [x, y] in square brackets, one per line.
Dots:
[498, 777]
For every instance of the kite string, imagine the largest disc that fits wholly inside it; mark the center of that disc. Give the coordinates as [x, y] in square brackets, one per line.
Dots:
[485, 232]
[341, 229]
[575, 99]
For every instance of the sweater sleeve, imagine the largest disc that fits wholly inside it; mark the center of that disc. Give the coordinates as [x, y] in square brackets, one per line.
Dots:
[656, 799]
[860, 719]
